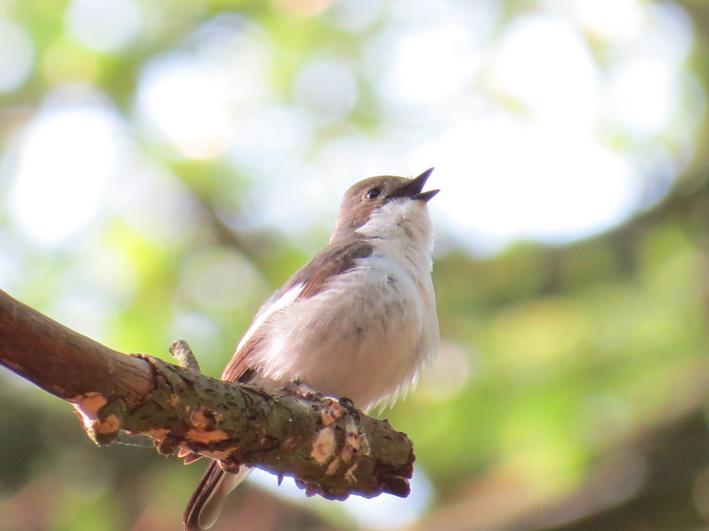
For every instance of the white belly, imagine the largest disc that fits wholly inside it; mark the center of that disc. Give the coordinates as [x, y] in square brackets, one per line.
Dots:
[364, 338]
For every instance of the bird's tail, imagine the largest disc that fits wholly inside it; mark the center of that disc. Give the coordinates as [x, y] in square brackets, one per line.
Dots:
[207, 500]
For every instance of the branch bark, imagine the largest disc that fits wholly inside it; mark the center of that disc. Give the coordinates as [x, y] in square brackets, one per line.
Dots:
[328, 446]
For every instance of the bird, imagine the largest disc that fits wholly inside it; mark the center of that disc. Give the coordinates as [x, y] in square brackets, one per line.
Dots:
[358, 321]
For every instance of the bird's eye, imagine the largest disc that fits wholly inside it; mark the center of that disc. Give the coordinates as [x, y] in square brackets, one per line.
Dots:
[373, 193]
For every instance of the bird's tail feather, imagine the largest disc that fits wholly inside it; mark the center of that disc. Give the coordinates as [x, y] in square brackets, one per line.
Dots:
[207, 500]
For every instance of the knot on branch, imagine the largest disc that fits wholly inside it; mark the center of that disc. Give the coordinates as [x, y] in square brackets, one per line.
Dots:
[182, 352]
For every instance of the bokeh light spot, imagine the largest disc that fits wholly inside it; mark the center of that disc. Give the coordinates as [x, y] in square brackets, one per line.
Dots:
[184, 107]
[327, 88]
[104, 25]
[17, 55]
[63, 162]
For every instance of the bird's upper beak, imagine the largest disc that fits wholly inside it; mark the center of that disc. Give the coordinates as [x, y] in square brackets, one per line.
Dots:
[414, 187]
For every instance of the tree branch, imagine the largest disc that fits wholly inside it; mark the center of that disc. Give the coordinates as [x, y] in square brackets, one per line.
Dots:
[328, 446]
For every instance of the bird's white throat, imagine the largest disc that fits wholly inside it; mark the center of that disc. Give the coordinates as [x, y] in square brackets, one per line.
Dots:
[405, 225]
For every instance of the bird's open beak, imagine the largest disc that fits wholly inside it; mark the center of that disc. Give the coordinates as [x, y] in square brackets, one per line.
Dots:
[414, 187]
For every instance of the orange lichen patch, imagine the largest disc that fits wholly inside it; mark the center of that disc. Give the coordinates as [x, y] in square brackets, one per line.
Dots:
[110, 424]
[88, 406]
[157, 435]
[332, 413]
[198, 419]
[347, 453]
[332, 467]
[206, 437]
[324, 446]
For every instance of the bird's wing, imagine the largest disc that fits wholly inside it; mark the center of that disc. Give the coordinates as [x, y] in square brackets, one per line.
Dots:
[335, 259]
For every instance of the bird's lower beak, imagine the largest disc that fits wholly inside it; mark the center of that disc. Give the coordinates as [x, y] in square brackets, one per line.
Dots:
[414, 187]
[425, 196]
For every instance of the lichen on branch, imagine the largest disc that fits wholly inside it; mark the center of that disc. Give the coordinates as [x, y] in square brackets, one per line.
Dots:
[328, 446]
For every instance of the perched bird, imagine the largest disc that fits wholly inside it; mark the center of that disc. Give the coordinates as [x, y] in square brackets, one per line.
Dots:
[358, 321]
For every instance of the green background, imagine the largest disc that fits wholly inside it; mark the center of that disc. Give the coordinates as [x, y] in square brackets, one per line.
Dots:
[572, 375]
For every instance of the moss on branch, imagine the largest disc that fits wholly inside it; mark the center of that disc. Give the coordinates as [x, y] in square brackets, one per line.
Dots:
[328, 446]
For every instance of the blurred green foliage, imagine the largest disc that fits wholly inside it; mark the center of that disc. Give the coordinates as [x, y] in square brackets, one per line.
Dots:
[550, 354]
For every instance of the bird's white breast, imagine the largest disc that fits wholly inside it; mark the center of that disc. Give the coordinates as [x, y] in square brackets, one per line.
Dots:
[365, 336]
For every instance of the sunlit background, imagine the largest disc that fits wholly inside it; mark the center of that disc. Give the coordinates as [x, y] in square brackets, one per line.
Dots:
[165, 165]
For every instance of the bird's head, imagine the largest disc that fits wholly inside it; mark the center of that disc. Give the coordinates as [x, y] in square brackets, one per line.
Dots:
[387, 207]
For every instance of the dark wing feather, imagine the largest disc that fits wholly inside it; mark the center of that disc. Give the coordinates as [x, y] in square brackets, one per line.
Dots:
[210, 480]
[239, 368]
[335, 259]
